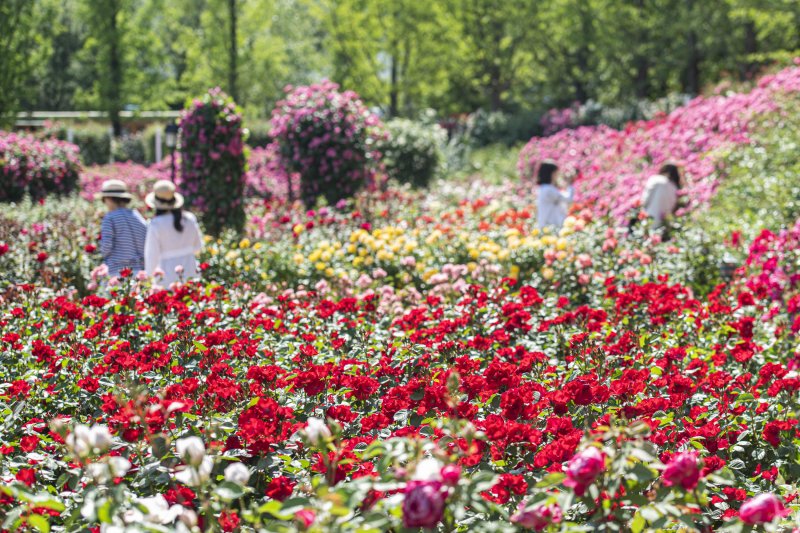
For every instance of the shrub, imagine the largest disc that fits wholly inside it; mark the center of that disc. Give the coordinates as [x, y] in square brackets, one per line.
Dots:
[413, 151]
[130, 148]
[93, 140]
[266, 176]
[137, 177]
[36, 167]
[329, 138]
[213, 161]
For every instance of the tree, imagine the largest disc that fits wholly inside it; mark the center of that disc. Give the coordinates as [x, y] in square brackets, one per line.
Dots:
[16, 40]
[398, 54]
[106, 21]
[499, 48]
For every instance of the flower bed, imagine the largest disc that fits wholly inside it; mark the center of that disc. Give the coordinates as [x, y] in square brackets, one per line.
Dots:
[613, 165]
[34, 167]
[636, 404]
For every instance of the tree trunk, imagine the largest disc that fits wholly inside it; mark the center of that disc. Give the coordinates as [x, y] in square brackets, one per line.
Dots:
[115, 71]
[233, 52]
[393, 97]
[692, 73]
[641, 62]
[750, 47]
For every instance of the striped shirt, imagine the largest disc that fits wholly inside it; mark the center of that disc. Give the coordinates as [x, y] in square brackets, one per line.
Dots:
[122, 236]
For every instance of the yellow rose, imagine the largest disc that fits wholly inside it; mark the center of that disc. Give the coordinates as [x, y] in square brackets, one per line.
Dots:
[548, 273]
[298, 229]
[244, 243]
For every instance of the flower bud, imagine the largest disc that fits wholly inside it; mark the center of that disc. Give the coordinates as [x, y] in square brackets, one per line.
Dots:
[317, 431]
[191, 450]
[237, 473]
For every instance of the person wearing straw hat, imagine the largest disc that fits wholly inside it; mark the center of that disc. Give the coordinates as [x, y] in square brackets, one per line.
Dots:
[123, 230]
[173, 236]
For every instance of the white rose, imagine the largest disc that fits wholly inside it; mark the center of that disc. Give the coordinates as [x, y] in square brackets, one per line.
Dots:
[317, 431]
[429, 469]
[159, 510]
[196, 476]
[191, 450]
[100, 438]
[119, 466]
[79, 441]
[237, 473]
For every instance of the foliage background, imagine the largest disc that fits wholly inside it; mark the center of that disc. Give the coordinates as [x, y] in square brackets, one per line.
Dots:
[402, 56]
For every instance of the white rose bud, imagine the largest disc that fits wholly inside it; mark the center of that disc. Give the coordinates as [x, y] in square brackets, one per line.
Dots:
[100, 438]
[237, 473]
[119, 466]
[429, 469]
[79, 441]
[317, 431]
[191, 450]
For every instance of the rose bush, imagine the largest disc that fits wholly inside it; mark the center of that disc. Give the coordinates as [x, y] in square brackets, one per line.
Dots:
[213, 160]
[329, 138]
[36, 167]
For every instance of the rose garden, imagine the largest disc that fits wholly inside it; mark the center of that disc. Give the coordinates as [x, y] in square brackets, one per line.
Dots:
[377, 345]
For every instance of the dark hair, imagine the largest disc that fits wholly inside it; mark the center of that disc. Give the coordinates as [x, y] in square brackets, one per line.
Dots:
[177, 217]
[670, 170]
[119, 201]
[545, 173]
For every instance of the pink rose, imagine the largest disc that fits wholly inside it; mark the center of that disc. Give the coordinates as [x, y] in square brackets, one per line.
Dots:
[305, 517]
[423, 505]
[538, 517]
[683, 469]
[450, 475]
[762, 509]
[584, 468]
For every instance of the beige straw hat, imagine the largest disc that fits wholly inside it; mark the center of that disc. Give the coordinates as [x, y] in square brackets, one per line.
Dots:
[164, 196]
[114, 189]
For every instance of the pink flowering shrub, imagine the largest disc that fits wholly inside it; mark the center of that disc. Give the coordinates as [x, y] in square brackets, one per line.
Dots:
[556, 120]
[266, 177]
[137, 177]
[612, 165]
[213, 161]
[329, 138]
[36, 167]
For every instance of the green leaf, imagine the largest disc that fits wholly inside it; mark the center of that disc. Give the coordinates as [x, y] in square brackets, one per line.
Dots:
[638, 523]
[39, 522]
[228, 491]
[553, 478]
[200, 347]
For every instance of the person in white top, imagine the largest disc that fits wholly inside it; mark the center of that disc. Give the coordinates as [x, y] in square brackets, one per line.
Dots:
[551, 202]
[660, 197]
[173, 236]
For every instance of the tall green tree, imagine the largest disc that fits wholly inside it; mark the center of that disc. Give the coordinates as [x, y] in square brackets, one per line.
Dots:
[107, 44]
[499, 46]
[397, 54]
[16, 40]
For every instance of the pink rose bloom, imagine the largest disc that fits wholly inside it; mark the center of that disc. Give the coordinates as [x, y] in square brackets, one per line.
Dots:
[423, 505]
[683, 469]
[450, 475]
[536, 518]
[584, 468]
[762, 509]
[305, 517]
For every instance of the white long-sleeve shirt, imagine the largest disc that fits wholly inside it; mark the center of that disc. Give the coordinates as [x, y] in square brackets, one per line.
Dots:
[659, 198]
[167, 248]
[551, 205]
